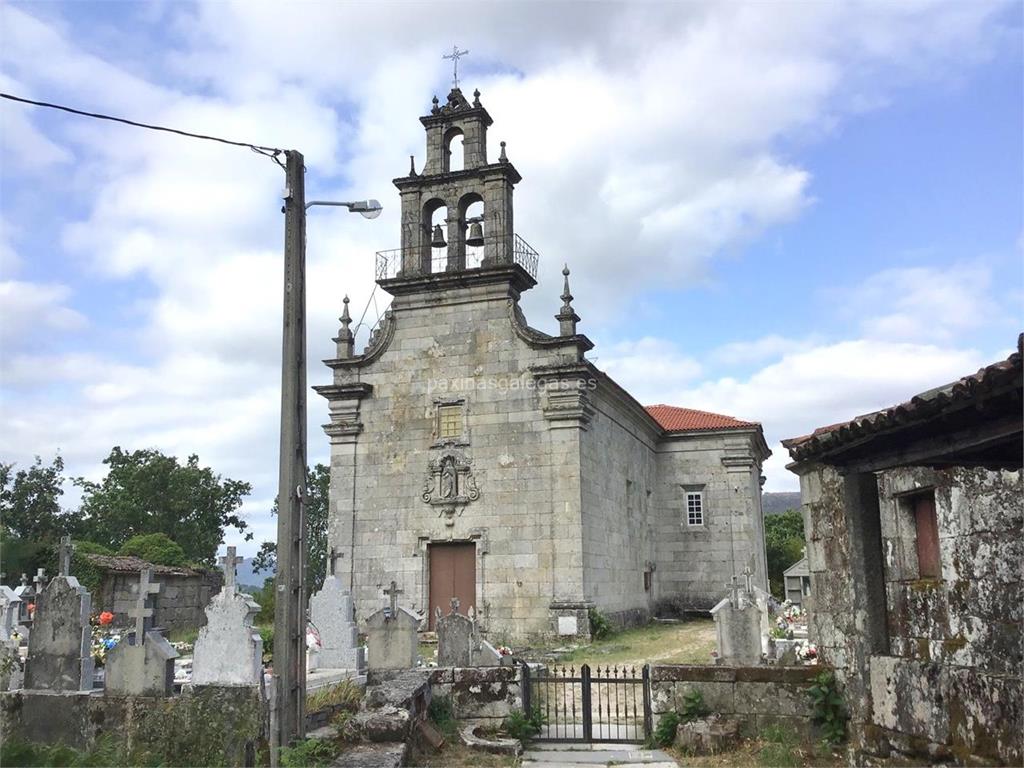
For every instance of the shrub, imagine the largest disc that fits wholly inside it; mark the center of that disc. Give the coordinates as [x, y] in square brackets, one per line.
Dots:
[267, 636]
[827, 707]
[600, 627]
[156, 548]
[345, 695]
[89, 576]
[309, 752]
[523, 726]
[442, 714]
[665, 733]
[694, 706]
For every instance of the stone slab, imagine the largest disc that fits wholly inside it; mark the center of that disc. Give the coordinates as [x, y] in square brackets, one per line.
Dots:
[372, 756]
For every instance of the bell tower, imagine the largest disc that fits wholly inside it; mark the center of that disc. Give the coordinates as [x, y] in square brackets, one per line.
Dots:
[476, 201]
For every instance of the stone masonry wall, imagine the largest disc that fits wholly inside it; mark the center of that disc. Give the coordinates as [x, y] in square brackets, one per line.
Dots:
[757, 697]
[949, 687]
[479, 692]
[179, 605]
[696, 562]
[618, 477]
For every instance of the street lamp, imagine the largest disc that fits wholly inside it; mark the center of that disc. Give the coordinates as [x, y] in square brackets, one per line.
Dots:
[290, 608]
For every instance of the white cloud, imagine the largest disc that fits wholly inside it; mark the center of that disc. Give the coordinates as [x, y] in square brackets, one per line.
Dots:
[27, 306]
[758, 350]
[647, 136]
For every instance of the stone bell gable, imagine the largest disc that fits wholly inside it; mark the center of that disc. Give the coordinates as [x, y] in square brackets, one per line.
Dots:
[478, 458]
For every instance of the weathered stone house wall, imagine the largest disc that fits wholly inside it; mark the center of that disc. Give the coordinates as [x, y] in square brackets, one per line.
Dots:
[948, 682]
[179, 605]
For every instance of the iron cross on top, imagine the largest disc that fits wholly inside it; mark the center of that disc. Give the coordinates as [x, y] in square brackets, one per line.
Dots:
[455, 55]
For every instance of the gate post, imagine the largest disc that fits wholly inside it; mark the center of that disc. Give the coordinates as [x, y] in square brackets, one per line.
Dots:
[588, 725]
[648, 725]
[524, 687]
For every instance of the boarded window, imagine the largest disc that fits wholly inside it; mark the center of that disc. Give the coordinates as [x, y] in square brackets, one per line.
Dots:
[449, 422]
[928, 562]
[695, 508]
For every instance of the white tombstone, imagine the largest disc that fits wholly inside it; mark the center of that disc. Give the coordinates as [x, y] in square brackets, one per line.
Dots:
[738, 628]
[391, 635]
[10, 612]
[144, 667]
[330, 611]
[229, 651]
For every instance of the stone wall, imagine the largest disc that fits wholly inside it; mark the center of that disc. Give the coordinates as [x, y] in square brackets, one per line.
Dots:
[210, 726]
[695, 562]
[179, 605]
[479, 692]
[757, 697]
[944, 679]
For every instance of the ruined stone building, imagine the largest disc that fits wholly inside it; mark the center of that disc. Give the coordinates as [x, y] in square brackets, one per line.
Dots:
[914, 518]
[476, 457]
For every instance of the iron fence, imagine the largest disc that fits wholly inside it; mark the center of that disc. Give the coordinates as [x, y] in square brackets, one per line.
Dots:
[389, 264]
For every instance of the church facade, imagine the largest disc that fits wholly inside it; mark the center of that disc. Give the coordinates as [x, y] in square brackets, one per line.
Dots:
[475, 457]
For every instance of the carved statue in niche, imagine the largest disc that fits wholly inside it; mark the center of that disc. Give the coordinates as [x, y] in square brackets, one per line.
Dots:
[450, 485]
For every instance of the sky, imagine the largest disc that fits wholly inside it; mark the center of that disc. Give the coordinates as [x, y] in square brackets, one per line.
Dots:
[788, 212]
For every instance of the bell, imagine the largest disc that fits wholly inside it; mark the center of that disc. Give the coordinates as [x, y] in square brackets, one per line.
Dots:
[438, 241]
[476, 234]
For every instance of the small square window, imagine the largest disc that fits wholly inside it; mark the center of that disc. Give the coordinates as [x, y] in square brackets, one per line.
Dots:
[449, 422]
[695, 508]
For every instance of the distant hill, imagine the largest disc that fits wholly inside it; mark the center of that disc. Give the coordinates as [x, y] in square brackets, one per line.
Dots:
[777, 503]
[244, 574]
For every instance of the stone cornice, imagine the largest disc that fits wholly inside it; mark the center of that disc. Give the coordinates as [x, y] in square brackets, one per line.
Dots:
[539, 339]
[515, 276]
[482, 173]
[372, 351]
[354, 391]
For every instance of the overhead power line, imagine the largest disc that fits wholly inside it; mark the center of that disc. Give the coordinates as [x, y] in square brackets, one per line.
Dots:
[271, 152]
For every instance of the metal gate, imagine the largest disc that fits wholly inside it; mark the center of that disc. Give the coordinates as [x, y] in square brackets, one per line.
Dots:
[609, 704]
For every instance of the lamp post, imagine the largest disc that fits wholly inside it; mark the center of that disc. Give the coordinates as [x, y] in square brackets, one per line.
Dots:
[290, 598]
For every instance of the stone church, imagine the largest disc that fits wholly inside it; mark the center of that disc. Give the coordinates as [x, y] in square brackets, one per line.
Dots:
[478, 458]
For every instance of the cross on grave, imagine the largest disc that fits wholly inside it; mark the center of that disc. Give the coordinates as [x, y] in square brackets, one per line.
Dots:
[393, 592]
[64, 556]
[24, 579]
[455, 55]
[38, 579]
[140, 612]
[334, 558]
[734, 592]
[455, 604]
[748, 578]
[229, 562]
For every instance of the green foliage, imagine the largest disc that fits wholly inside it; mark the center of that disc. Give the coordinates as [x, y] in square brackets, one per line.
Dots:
[147, 492]
[267, 636]
[318, 483]
[309, 752]
[524, 726]
[827, 707]
[784, 545]
[345, 695]
[665, 733]
[441, 713]
[266, 599]
[156, 548]
[89, 576]
[106, 752]
[600, 627]
[694, 706]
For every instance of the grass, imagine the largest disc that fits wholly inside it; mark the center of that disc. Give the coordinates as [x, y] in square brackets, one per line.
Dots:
[689, 642]
[455, 755]
[345, 694]
[775, 748]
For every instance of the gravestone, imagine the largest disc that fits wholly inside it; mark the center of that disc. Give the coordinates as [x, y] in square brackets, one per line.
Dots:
[459, 643]
[11, 674]
[144, 664]
[10, 611]
[229, 651]
[738, 628]
[391, 635]
[330, 611]
[60, 645]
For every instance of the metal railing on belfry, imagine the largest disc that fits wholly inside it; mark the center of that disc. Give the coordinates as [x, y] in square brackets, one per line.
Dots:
[389, 264]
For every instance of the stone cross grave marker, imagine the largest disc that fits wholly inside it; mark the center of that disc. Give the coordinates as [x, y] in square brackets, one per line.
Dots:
[64, 555]
[10, 660]
[145, 667]
[391, 635]
[60, 645]
[140, 612]
[459, 643]
[230, 563]
[330, 611]
[738, 628]
[39, 580]
[332, 559]
[10, 611]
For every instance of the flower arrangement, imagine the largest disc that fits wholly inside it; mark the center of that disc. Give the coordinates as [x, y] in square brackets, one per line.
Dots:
[104, 637]
[504, 650]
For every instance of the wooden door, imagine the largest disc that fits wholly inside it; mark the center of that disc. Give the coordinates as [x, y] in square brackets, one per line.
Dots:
[452, 574]
[929, 565]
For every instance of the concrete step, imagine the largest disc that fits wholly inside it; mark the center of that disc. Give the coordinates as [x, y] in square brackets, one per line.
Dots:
[585, 755]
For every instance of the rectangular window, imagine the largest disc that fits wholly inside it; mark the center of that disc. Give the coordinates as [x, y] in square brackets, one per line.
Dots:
[695, 508]
[449, 422]
[928, 563]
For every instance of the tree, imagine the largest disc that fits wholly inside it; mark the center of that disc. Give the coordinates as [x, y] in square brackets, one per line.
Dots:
[31, 518]
[784, 545]
[317, 499]
[157, 548]
[147, 492]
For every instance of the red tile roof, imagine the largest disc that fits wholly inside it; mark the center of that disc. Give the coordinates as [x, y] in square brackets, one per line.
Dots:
[673, 419]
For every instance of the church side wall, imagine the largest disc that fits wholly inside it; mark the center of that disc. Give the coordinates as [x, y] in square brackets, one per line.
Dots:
[694, 563]
[525, 524]
[618, 478]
